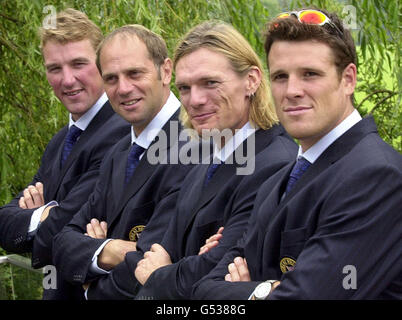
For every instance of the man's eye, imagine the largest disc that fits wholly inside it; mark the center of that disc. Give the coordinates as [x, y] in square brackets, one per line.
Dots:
[79, 64]
[309, 74]
[134, 74]
[212, 83]
[183, 88]
[110, 79]
[279, 76]
[53, 69]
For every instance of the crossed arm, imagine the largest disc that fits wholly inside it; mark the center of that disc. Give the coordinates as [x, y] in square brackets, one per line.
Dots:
[158, 257]
[114, 251]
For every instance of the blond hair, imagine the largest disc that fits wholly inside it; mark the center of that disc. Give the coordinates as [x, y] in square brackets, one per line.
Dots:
[71, 25]
[222, 38]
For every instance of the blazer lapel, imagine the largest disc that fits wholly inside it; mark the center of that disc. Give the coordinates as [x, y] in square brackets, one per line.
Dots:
[194, 194]
[118, 169]
[55, 170]
[224, 173]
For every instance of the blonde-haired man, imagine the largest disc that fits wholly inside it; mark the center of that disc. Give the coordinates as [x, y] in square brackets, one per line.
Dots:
[71, 161]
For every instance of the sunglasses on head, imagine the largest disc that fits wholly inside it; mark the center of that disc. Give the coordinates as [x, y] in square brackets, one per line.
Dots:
[310, 16]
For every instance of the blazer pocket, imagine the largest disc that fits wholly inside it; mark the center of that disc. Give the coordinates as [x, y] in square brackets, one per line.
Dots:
[135, 220]
[292, 242]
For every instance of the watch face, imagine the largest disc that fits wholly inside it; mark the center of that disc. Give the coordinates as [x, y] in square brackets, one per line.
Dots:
[262, 291]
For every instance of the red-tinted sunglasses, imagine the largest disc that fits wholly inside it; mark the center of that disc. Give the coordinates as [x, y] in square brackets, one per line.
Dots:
[310, 16]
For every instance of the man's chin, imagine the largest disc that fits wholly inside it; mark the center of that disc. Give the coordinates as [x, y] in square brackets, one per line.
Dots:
[77, 108]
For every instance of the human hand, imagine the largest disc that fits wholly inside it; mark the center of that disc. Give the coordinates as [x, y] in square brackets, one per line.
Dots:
[114, 253]
[238, 270]
[33, 197]
[211, 242]
[96, 230]
[154, 259]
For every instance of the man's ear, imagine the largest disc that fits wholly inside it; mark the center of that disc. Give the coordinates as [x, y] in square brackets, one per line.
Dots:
[349, 78]
[166, 71]
[253, 80]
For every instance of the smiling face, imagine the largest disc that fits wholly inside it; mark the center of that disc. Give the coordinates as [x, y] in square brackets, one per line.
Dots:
[136, 89]
[73, 75]
[214, 96]
[310, 97]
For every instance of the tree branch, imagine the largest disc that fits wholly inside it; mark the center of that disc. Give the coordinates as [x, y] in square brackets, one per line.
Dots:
[382, 101]
[372, 94]
[9, 18]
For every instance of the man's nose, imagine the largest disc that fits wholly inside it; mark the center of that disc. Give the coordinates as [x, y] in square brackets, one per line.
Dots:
[294, 87]
[68, 77]
[197, 97]
[124, 87]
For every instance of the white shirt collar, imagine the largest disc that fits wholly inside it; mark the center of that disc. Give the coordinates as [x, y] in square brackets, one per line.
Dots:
[152, 129]
[240, 135]
[84, 121]
[319, 147]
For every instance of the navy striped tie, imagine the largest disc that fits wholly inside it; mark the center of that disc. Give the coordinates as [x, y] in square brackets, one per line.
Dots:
[133, 160]
[299, 168]
[70, 140]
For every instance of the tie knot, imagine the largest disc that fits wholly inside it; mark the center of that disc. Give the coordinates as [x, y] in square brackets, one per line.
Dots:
[300, 167]
[73, 133]
[136, 151]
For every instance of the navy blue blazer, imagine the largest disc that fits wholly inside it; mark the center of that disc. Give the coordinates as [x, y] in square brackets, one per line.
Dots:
[70, 186]
[341, 220]
[226, 201]
[126, 209]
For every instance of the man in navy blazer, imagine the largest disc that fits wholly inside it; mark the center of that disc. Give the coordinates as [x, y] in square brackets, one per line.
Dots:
[217, 94]
[329, 226]
[66, 176]
[136, 72]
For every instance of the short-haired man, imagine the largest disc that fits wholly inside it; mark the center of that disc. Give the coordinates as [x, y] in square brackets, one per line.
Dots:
[222, 87]
[71, 161]
[329, 226]
[136, 72]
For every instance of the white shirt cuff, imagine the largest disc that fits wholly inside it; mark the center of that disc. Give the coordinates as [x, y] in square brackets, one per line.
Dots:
[94, 265]
[35, 218]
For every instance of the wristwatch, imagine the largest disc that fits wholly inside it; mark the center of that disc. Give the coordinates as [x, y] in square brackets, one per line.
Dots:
[262, 291]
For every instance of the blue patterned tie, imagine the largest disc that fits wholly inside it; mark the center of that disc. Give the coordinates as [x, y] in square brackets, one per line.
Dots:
[210, 172]
[70, 140]
[133, 160]
[300, 167]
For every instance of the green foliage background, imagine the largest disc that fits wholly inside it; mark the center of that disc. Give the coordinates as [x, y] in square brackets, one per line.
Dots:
[30, 114]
